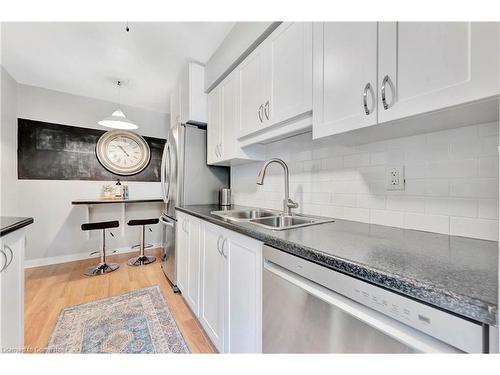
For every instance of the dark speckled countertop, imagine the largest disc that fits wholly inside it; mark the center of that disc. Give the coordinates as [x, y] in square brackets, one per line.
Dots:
[9, 224]
[456, 274]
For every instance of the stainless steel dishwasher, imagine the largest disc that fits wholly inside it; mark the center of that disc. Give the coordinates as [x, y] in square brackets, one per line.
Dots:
[309, 308]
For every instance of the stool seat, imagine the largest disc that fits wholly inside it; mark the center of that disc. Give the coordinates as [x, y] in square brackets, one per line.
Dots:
[101, 225]
[102, 267]
[143, 222]
[142, 259]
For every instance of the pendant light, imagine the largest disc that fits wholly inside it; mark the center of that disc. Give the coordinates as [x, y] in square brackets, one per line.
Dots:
[118, 120]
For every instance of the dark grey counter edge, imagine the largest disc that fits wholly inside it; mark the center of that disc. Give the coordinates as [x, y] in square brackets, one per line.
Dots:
[114, 201]
[16, 226]
[461, 305]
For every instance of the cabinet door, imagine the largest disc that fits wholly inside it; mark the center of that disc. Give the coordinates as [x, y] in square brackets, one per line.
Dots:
[213, 127]
[12, 292]
[229, 89]
[193, 264]
[252, 92]
[345, 68]
[288, 73]
[433, 65]
[181, 250]
[244, 322]
[212, 286]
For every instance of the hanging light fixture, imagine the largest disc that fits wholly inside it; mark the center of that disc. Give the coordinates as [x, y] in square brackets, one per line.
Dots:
[118, 120]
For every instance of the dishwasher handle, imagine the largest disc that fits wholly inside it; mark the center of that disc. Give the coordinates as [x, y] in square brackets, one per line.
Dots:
[388, 326]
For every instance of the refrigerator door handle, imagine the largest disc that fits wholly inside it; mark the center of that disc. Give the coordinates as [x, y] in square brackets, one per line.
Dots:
[164, 174]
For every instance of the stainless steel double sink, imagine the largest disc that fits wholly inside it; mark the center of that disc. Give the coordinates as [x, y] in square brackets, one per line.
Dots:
[271, 219]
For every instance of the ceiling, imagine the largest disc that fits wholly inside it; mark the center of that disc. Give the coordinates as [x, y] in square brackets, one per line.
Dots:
[85, 58]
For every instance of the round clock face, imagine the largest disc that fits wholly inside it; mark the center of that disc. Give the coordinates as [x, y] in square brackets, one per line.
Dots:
[123, 152]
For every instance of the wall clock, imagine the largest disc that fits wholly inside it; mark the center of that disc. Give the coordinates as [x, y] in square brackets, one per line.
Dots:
[123, 152]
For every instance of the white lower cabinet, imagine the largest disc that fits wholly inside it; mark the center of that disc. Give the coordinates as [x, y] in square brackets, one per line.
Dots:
[244, 294]
[188, 259]
[12, 291]
[212, 285]
[230, 283]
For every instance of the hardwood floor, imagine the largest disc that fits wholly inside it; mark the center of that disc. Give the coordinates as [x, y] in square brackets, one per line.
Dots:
[50, 289]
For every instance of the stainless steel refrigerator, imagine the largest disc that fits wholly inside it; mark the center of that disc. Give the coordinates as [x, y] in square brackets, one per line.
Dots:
[185, 179]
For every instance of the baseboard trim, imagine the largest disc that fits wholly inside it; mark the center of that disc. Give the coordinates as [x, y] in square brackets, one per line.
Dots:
[31, 263]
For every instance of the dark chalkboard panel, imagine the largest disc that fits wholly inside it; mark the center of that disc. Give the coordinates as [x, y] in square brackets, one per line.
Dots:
[59, 152]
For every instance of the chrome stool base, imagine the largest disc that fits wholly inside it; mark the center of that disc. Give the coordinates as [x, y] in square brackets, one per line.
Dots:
[141, 260]
[101, 269]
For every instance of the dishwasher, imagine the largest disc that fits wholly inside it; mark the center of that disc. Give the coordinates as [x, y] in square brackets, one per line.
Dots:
[308, 308]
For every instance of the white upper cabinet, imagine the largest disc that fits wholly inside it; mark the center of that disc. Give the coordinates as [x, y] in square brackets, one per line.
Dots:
[276, 84]
[252, 92]
[425, 66]
[214, 129]
[345, 76]
[375, 73]
[223, 125]
[188, 102]
[288, 73]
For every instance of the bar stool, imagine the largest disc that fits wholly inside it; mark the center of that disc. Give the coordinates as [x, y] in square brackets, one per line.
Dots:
[102, 267]
[142, 259]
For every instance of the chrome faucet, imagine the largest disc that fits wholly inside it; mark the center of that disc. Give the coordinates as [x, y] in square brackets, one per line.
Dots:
[288, 203]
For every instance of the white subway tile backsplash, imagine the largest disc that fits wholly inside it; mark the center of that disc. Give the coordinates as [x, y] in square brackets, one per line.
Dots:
[471, 227]
[357, 214]
[345, 200]
[356, 160]
[429, 223]
[488, 166]
[390, 218]
[451, 207]
[451, 180]
[407, 204]
[371, 201]
[474, 187]
[488, 209]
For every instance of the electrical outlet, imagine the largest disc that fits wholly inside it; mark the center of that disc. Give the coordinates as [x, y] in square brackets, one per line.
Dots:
[395, 178]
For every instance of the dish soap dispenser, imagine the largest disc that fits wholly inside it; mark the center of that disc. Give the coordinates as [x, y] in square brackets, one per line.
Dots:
[118, 189]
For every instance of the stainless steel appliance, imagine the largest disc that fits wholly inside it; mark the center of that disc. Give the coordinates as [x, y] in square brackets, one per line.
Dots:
[225, 197]
[185, 179]
[309, 308]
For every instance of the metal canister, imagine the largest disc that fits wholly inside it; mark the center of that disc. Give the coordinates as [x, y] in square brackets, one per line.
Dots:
[225, 197]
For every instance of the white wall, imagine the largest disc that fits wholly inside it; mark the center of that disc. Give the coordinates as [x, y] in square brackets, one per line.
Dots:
[56, 235]
[242, 38]
[451, 180]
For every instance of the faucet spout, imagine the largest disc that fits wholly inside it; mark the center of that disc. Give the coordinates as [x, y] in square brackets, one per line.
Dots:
[288, 203]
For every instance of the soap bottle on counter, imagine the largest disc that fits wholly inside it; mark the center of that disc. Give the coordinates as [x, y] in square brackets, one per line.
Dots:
[118, 189]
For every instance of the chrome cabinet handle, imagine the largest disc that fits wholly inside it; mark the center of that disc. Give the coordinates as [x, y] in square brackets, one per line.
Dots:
[261, 108]
[5, 260]
[385, 81]
[216, 151]
[266, 110]
[11, 255]
[218, 245]
[365, 99]
[224, 254]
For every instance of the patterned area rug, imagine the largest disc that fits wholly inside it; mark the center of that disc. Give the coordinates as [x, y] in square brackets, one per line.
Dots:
[133, 322]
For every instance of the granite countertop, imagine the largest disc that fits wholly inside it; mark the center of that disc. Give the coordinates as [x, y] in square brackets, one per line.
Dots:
[9, 224]
[114, 200]
[456, 274]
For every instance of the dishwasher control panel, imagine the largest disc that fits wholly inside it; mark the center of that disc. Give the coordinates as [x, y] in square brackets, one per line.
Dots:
[451, 329]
